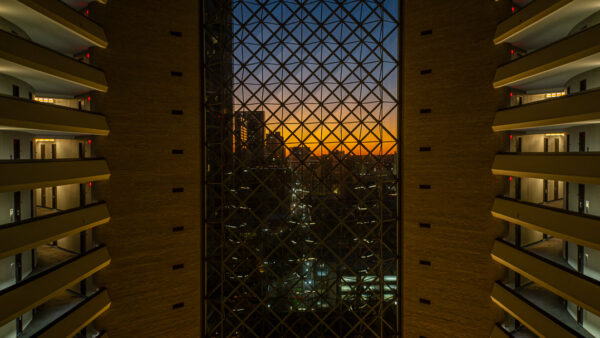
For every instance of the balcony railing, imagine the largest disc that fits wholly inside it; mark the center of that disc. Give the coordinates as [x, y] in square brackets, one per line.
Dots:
[16, 238]
[49, 65]
[570, 226]
[527, 16]
[535, 318]
[569, 167]
[573, 108]
[57, 20]
[567, 50]
[21, 113]
[18, 175]
[34, 291]
[554, 277]
[78, 317]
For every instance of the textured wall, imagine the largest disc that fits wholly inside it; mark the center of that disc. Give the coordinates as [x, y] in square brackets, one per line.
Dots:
[142, 54]
[458, 91]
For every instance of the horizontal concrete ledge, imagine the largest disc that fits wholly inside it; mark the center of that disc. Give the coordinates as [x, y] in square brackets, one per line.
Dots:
[77, 318]
[561, 53]
[577, 108]
[498, 332]
[65, 16]
[527, 313]
[17, 238]
[38, 289]
[573, 227]
[528, 16]
[38, 58]
[578, 289]
[570, 167]
[30, 174]
[24, 114]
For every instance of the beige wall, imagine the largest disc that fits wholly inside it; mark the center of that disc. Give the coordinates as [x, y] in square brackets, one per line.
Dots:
[591, 323]
[7, 206]
[592, 137]
[532, 190]
[534, 143]
[6, 144]
[6, 83]
[7, 272]
[65, 148]
[592, 198]
[9, 330]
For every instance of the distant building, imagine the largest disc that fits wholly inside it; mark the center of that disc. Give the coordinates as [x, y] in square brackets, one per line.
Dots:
[249, 137]
[275, 149]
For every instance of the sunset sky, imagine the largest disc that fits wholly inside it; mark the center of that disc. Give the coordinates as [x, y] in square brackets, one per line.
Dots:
[335, 82]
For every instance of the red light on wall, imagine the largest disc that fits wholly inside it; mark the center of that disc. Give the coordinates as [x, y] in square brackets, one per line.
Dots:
[91, 183]
[87, 11]
[511, 136]
[509, 178]
[513, 9]
[512, 52]
[87, 55]
[90, 141]
[90, 98]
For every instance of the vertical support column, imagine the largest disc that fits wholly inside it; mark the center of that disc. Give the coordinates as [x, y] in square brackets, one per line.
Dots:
[400, 167]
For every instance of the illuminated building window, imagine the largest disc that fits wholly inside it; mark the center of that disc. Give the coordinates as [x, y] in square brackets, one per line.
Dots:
[44, 99]
[557, 94]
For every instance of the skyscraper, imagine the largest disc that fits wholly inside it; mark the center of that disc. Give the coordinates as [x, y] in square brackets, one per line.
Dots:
[275, 148]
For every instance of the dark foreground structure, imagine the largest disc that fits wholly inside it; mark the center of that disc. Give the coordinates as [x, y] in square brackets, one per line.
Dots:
[255, 168]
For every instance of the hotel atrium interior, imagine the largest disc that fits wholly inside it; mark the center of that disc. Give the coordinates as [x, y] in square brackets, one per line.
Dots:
[300, 168]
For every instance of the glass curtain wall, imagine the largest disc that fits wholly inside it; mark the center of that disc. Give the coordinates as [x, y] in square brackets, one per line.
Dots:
[302, 181]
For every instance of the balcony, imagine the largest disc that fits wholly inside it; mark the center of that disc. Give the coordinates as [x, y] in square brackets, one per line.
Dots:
[49, 72]
[567, 225]
[44, 286]
[537, 320]
[20, 114]
[554, 65]
[570, 167]
[76, 318]
[552, 305]
[18, 175]
[81, 4]
[54, 24]
[553, 277]
[580, 108]
[17, 238]
[543, 22]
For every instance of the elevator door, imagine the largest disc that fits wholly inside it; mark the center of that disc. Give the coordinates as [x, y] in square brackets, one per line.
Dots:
[16, 149]
[556, 150]
[581, 198]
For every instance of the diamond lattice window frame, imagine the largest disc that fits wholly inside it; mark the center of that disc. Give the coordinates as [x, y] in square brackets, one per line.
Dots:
[302, 154]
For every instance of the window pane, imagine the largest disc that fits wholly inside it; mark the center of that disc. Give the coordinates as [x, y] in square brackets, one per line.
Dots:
[302, 176]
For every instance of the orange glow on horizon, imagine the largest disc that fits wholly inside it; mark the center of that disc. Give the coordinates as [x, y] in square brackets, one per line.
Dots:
[347, 128]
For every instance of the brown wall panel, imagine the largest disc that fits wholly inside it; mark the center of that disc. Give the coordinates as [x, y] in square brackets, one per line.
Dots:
[462, 59]
[142, 93]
